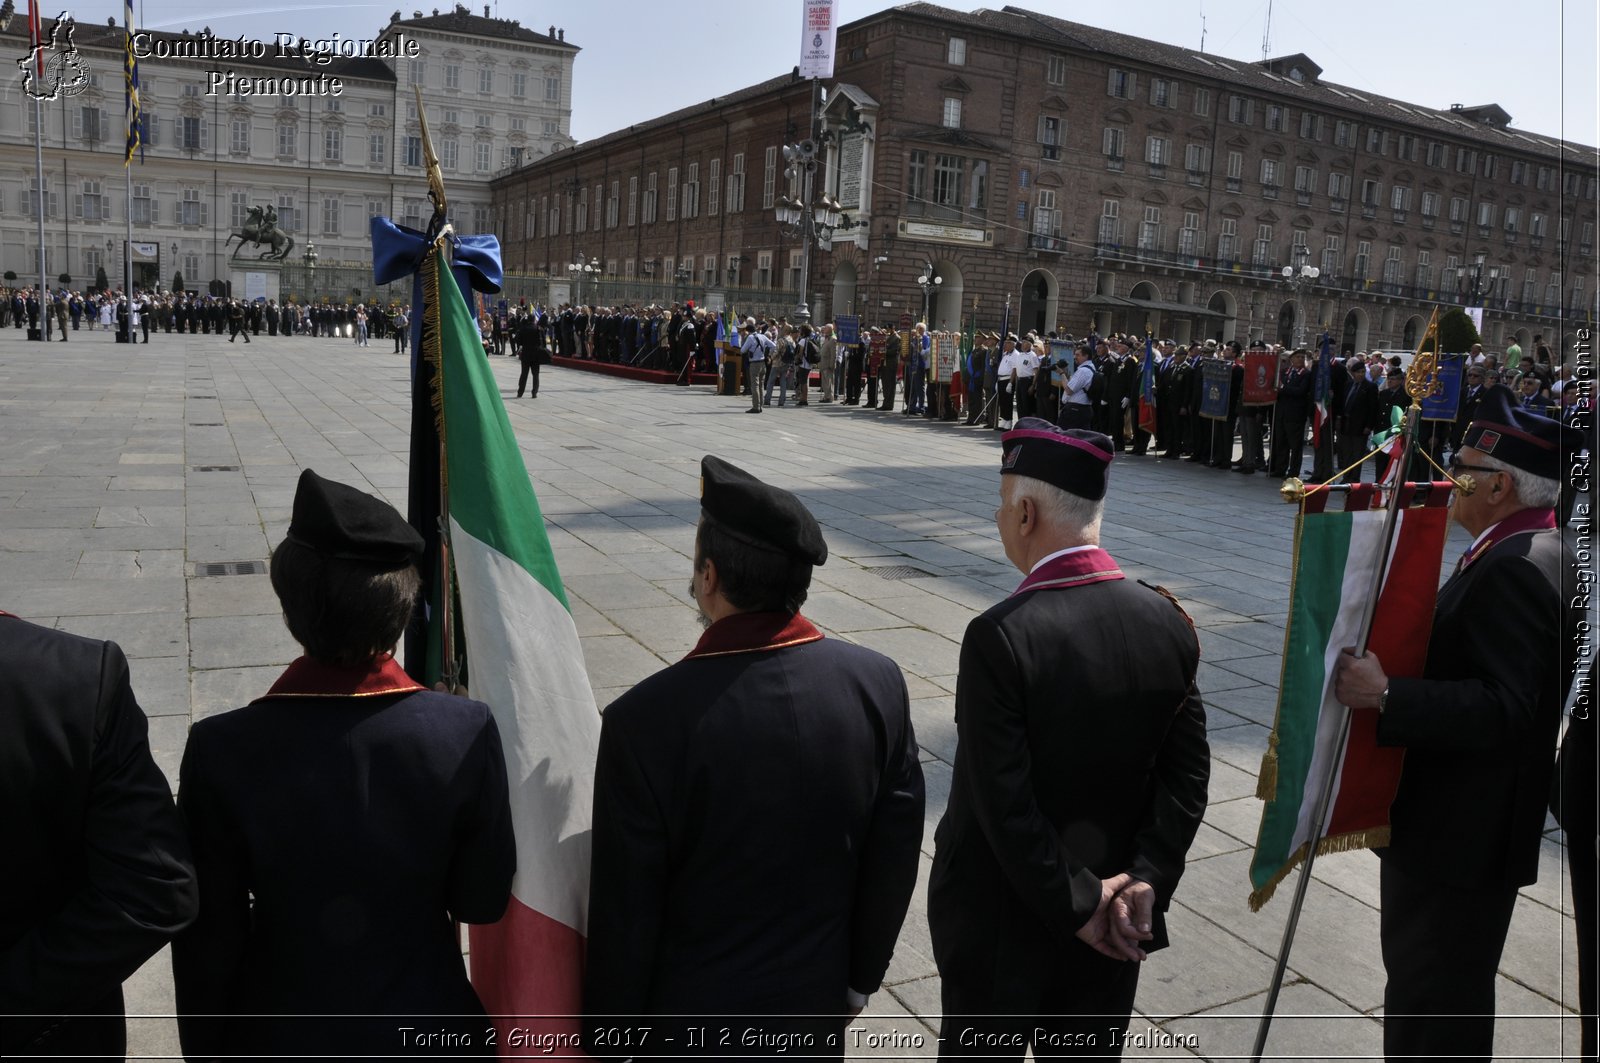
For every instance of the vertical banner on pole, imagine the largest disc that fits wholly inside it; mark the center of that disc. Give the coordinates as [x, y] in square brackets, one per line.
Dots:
[819, 26]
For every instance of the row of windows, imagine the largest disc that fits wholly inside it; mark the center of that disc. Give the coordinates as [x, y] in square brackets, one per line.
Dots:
[518, 81]
[1264, 250]
[1404, 147]
[571, 211]
[1055, 66]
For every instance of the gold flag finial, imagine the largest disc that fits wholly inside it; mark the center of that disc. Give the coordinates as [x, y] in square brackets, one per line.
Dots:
[1293, 490]
[430, 163]
[1422, 377]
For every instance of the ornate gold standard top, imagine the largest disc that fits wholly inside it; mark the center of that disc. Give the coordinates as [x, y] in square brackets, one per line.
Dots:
[1422, 378]
[430, 162]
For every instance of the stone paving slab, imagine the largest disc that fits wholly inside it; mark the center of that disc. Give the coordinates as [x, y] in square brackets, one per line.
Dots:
[104, 510]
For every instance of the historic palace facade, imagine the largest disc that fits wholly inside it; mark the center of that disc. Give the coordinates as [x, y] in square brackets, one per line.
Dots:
[496, 94]
[1086, 176]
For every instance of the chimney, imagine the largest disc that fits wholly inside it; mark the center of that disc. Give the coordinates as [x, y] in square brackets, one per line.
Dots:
[561, 34]
[552, 30]
[485, 10]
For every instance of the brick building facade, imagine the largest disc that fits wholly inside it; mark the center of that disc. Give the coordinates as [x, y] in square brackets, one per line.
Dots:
[1089, 176]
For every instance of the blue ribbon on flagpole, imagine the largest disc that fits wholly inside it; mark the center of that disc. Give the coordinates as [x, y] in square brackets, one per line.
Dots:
[398, 251]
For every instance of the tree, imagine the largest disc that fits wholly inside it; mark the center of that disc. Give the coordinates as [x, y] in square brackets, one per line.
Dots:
[65, 279]
[177, 281]
[11, 275]
[101, 281]
[1457, 333]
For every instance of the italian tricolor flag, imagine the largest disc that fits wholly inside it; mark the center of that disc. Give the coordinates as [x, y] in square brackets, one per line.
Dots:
[525, 662]
[1336, 560]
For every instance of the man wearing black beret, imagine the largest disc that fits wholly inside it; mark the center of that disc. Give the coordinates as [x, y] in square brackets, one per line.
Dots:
[757, 807]
[1080, 775]
[1479, 734]
[343, 821]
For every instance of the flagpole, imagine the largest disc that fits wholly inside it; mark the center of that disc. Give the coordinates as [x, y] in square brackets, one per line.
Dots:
[449, 667]
[44, 200]
[1421, 382]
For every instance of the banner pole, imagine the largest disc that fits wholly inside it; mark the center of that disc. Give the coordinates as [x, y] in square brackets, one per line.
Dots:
[1420, 386]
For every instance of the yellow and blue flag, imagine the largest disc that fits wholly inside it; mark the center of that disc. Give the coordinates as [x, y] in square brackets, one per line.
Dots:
[130, 66]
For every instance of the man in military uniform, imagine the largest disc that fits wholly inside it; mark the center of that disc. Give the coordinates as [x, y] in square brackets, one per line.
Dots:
[757, 806]
[1478, 729]
[342, 821]
[1080, 774]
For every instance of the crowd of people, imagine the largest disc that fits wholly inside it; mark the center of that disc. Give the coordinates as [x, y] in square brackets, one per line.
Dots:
[758, 807]
[63, 311]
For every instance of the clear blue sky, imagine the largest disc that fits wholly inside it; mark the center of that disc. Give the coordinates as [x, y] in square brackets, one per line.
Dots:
[642, 58]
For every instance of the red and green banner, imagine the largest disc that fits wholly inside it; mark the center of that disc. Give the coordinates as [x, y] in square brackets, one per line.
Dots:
[1335, 568]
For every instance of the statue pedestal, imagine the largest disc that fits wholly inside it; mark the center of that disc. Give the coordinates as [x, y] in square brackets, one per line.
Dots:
[255, 279]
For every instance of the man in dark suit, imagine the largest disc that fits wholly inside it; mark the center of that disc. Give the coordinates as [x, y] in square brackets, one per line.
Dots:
[98, 874]
[1358, 417]
[757, 806]
[531, 352]
[1289, 418]
[343, 822]
[1479, 734]
[1471, 392]
[1080, 774]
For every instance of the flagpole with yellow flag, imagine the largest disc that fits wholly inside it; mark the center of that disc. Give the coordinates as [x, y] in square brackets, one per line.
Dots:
[130, 70]
[1422, 381]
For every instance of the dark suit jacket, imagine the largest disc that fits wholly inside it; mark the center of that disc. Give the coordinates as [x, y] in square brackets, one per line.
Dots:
[1082, 755]
[98, 876]
[1294, 395]
[757, 818]
[336, 838]
[1479, 729]
[1362, 408]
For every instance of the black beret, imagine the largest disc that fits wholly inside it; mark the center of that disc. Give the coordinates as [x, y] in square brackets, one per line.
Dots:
[758, 514]
[1502, 429]
[336, 520]
[1074, 459]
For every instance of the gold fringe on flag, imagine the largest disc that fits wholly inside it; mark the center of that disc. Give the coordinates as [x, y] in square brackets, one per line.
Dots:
[1376, 838]
[1267, 781]
[433, 354]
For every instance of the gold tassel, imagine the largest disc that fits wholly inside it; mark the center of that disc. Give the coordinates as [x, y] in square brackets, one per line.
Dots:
[433, 354]
[1376, 838]
[1267, 781]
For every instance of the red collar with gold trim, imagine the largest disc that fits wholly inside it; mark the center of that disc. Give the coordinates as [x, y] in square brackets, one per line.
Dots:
[307, 678]
[754, 633]
[1523, 520]
[1077, 569]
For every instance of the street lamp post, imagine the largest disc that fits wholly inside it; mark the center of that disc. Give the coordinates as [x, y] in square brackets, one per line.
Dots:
[581, 269]
[310, 259]
[1476, 276]
[813, 224]
[929, 282]
[1300, 276]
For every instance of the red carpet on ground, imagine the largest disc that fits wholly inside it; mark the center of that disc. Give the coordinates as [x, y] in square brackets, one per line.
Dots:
[654, 376]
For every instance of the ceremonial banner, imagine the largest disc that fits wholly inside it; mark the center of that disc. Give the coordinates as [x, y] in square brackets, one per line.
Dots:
[847, 328]
[819, 27]
[1216, 379]
[1147, 388]
[1335, 564]
[1444, 405]
[526, 664]
[946, 357]
[878, 350]
[1260, 378]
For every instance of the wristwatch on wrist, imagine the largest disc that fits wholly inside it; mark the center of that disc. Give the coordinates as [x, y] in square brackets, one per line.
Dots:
[1383, 699]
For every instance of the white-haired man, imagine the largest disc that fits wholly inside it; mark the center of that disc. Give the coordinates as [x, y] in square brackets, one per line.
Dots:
[1478, 730]
[1080, 774]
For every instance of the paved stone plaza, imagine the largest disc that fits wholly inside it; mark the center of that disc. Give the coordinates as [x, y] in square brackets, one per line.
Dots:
[124, 468]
